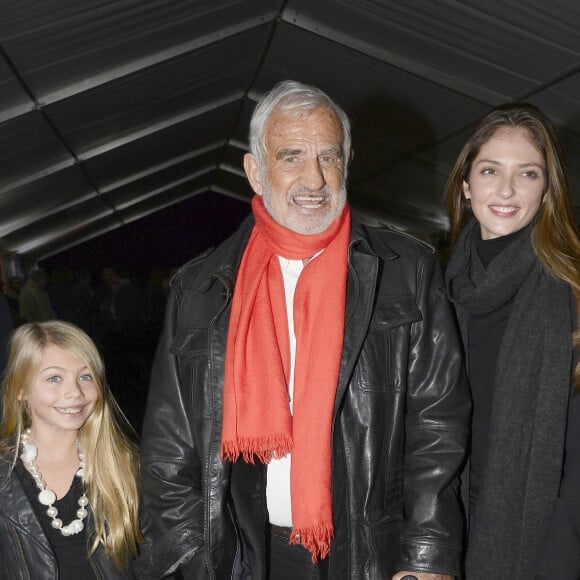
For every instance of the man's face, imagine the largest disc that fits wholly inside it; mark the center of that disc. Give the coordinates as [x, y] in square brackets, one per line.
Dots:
[302, 181]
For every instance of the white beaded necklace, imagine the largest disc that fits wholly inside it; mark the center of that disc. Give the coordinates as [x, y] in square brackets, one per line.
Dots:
[46, 496]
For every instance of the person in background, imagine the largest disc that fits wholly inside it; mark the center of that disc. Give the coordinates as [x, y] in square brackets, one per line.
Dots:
[60, 292]
[308, 412]
[124, 337]
[12, 297]
[124, 302]
[6, 327]
[33, 300]
[68, 462]
[514, 278]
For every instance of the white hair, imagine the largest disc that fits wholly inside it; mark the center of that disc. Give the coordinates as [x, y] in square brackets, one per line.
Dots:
[294, 96]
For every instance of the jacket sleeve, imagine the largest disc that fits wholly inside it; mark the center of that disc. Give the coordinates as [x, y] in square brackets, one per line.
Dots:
[560, 558]
[437, 420]
[172, 508]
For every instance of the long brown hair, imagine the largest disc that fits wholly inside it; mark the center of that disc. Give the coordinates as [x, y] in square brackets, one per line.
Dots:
[111, 473]
[555, 234]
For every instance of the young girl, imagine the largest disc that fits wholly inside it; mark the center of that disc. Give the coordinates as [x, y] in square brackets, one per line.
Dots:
[68, 470]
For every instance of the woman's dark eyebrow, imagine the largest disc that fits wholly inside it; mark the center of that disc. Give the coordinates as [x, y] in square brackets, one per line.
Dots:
[525, 164]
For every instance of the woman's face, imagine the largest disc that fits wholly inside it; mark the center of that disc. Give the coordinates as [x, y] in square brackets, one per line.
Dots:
[506, 184]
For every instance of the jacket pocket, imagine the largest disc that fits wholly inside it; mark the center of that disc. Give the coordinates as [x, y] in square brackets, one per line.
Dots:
[190, 346]
[382, 364]
[190, 342]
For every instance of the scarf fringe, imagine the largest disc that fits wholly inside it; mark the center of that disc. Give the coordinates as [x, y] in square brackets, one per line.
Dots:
[316, 540]
[261, 448]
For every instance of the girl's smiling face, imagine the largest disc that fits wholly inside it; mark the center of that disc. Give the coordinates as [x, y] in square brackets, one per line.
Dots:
[62, 393]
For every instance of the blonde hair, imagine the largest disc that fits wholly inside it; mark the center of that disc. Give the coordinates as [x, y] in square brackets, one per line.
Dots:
[107, 439]
[555, 232]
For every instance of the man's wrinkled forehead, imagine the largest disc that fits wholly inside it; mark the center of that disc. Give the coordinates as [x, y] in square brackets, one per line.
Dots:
[300, 123]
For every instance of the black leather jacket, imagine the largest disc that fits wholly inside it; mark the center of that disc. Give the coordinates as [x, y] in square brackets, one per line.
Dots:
[25, 552]
[399, 433]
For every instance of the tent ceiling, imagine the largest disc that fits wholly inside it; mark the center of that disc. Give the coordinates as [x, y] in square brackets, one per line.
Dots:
[113, 110]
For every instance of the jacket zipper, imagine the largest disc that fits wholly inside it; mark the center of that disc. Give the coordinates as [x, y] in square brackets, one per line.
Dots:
[356, 281]
[341, 450]
[238, 547]
[22, 558]
[227, 297]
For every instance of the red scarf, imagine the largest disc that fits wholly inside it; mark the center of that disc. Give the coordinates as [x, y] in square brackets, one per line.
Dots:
[257, 422]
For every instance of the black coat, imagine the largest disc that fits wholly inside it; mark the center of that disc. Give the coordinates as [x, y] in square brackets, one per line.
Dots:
[520, 456]
[399, 425]
[25, 552]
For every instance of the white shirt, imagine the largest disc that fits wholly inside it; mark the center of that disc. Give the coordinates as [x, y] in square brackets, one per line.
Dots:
[278, 486]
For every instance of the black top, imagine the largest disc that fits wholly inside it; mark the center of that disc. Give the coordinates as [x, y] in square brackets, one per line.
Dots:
[70, 551]
[485, 333]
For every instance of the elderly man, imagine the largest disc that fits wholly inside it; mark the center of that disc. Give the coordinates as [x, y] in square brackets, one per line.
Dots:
[307, 414]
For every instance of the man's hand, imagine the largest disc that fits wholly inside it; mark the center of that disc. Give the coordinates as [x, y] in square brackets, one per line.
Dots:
[420, 576]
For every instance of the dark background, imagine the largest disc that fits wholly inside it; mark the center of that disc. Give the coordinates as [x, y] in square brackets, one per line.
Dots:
[163, 240]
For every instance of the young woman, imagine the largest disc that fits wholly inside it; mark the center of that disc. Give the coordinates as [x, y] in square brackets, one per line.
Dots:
[514, 278]
[68, 466]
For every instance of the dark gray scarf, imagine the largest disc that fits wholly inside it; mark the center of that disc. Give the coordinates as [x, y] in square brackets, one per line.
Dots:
[532, 387]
